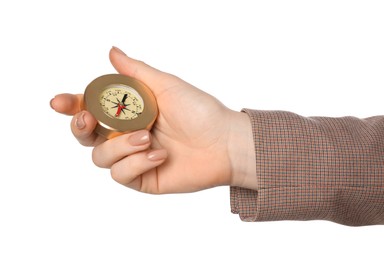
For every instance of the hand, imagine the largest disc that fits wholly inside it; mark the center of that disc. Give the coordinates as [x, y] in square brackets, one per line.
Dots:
[196, 142]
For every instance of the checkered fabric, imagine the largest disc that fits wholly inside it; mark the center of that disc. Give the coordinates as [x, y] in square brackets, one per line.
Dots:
[315, 168]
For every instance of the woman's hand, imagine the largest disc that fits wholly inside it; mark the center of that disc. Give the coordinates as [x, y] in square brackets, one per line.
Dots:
[196, 142]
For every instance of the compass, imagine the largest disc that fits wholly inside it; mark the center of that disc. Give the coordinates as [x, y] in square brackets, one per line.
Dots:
[120, 104]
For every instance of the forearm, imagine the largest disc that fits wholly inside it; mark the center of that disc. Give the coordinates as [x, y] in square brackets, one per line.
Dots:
[315, 168]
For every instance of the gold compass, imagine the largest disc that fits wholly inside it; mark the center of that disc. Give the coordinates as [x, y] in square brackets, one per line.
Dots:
[120, 104]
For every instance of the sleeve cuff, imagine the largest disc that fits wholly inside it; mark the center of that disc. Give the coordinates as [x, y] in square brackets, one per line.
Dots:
[244, 203]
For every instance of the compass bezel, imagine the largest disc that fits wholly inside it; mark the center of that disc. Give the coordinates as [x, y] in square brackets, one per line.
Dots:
[110, 127]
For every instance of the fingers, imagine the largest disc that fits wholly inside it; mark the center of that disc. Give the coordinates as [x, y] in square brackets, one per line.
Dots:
[83, 125]
[107, 153]
[138, 171]
[67, 104]
[131, 161]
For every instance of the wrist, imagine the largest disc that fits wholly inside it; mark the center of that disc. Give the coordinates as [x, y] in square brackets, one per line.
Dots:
[241, 152]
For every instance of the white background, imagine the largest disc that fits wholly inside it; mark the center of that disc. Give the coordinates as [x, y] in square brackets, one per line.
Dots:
[309, 57]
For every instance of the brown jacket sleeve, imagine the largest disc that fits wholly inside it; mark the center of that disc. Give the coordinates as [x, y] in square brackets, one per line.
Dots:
[315, 168]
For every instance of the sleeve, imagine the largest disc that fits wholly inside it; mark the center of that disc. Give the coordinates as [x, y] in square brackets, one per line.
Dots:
[315, 168]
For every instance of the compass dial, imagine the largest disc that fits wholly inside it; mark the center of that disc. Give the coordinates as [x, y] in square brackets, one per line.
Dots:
[121, 102]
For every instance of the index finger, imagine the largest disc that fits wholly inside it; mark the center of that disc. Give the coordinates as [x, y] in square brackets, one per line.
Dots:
[68, 104]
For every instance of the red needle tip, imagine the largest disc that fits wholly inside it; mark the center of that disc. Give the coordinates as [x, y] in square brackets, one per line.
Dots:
[119, 108]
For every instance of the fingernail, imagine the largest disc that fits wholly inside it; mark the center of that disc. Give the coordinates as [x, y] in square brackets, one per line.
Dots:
[139, 138]
[157, 155]
[118, 50]
[79, 122]
[51, 103]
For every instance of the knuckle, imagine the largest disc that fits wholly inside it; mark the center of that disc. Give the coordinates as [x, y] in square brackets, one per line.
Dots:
[116, 174]
[96, 159]
[124, 171]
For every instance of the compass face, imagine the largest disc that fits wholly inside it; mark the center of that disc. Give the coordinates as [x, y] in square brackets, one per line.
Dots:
[121, 102]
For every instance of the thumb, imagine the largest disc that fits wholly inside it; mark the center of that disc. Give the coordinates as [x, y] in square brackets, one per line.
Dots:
[153, 78]
[68, 104]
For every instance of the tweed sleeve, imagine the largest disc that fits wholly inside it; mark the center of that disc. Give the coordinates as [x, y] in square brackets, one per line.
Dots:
[315, 168]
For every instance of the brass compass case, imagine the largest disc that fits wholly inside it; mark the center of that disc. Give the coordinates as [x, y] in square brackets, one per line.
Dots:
[120, 104]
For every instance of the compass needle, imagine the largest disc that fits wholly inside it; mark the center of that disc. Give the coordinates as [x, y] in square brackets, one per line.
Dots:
[124, 98]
